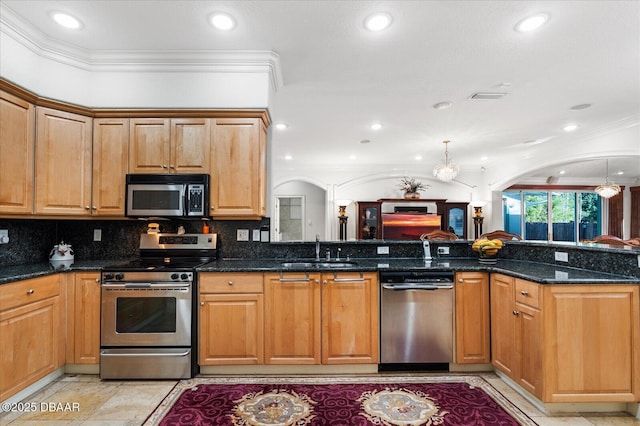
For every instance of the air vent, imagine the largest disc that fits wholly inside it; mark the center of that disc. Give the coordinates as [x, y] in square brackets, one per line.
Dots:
[486, 96]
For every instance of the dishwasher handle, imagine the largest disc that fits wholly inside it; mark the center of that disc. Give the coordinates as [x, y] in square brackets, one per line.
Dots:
[401, 287]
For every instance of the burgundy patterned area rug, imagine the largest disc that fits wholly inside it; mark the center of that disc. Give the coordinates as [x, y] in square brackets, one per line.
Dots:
[382, 400]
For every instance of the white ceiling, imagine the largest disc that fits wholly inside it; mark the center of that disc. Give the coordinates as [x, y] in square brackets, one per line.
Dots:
[338, 77]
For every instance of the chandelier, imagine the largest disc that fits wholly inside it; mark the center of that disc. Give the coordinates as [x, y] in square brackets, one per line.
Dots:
[447, 171]
[607, 190]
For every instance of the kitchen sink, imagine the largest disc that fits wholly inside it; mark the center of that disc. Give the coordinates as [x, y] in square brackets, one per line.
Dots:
[318, 265]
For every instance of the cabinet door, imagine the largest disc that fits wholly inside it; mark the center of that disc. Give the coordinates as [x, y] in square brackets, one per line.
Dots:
[595, 334]
[30, 333]
[110, 165]
[350, 327]
[231, 329]
[190, 145]
[86, 317]
[503, 326]
[473, 344]
[529, 333]
[292, 318]
[63, 163]
[149, 145]
[17, 118]
[238, 169]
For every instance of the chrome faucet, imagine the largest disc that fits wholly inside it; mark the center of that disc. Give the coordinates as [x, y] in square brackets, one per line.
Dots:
[427, 250]
[317, 247]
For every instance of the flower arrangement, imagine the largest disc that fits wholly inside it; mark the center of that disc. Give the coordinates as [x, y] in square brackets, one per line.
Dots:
[411, 186]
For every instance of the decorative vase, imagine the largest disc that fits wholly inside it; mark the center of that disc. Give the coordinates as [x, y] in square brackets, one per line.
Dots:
[411, 195]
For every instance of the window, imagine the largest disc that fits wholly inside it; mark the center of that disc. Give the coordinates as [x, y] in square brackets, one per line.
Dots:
[552, 215]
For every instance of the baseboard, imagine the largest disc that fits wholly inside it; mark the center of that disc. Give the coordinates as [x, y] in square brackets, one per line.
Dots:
[570, 407]
[34, 387]
[289, 369]
[82, 369]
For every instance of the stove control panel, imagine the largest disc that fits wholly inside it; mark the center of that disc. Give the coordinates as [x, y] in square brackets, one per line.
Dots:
[147, 277]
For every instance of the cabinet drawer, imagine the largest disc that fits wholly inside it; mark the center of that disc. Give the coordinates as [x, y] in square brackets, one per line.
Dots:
[527, 293]
[231, 283]
[28, 291]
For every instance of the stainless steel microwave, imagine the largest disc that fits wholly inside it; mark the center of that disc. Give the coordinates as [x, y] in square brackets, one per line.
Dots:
[167, 195]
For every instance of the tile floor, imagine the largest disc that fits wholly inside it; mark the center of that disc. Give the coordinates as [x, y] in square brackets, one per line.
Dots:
[121, 403]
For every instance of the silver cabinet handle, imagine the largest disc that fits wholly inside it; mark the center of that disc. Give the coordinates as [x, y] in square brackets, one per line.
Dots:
[31, 291]
[346, 280]
[306, 278]
[229, 282]
[201, 303]
[524, 292]
[460, 280]
[516, 313]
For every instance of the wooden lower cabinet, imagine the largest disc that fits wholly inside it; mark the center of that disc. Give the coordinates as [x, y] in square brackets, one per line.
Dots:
[321, 318]
[567, 343]
[592, 343]
[472, 324]
[83, 317]
[231, 328]
[31, 333]
[293, 318]
[350, 324]
[516, 331]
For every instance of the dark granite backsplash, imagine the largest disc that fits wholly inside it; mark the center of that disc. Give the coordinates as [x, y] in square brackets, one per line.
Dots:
[31, 241]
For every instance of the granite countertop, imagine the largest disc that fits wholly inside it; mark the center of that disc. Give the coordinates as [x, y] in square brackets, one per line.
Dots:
[533, 271]
[33, 270]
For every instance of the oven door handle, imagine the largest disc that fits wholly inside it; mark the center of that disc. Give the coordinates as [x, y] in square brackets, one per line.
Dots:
[144, 286]
[165, 354]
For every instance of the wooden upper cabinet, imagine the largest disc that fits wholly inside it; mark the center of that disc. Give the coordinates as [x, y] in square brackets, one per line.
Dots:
[190, 145]
[17, 130]
[110, 165]
[238, 168]
[178, 145]
[63, 163]
[149, 150]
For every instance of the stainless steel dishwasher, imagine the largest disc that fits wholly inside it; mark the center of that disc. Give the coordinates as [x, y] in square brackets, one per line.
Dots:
[416, 319]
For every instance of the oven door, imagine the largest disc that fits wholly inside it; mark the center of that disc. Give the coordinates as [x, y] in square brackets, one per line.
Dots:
[153, 314]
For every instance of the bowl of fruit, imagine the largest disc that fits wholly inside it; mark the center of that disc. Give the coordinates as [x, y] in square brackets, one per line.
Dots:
[487, 249]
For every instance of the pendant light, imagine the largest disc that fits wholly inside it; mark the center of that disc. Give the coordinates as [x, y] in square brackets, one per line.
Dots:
[447, 171]
[607, 190]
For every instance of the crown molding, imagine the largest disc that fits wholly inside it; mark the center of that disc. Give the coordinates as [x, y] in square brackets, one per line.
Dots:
[180, 61]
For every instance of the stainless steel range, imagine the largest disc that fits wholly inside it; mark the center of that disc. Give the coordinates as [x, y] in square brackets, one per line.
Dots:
[147, 318]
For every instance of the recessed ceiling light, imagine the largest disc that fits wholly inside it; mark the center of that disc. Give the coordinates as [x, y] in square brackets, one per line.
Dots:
[579, 107]
[376, 126]
[418, 157]
[66, 20]
[484, 158]
[620, 172]
[352, 157]
[288, 157]
[222, 21]
[562, 172]
[532, 22]
[377, 21]
[570, 127]
[281, 126]
[442, 105]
